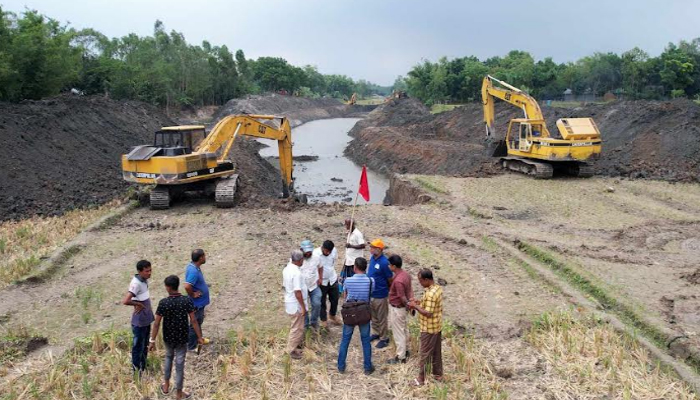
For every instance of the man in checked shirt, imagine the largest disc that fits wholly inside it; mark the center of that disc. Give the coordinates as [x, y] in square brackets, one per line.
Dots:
[430, 317]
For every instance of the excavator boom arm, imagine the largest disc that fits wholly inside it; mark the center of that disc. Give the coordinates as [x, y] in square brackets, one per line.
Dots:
[510, 94]
[224, 133]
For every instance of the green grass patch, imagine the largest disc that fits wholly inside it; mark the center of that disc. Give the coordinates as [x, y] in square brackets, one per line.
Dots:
[370, 102]
[431, 185]
[440, 108]
[573, 104]
[489, 244]
[15, 344]
[623, 311]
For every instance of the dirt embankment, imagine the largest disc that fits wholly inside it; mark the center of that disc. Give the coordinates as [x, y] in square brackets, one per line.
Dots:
[642, 139]
[298, 109]
[63, 153]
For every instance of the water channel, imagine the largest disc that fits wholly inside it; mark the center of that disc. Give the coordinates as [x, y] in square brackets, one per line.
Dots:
[328, 176]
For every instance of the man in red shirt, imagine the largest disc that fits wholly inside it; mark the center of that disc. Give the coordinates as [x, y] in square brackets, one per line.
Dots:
[399, 294]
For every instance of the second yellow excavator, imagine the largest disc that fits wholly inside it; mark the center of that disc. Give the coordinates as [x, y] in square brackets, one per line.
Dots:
[185, 158]
[530, 147]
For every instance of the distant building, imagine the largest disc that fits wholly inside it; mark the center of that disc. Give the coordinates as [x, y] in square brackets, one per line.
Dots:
[587, 96]
[568, 95]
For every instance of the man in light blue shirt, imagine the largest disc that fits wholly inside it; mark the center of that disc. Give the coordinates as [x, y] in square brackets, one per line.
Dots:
[198, 290]
[357, 288]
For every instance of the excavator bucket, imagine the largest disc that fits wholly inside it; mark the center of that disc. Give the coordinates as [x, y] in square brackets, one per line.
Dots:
[496, 148]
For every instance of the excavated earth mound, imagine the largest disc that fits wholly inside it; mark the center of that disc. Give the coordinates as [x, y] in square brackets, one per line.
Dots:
[298, 109]
[63, 153]
[641, 139]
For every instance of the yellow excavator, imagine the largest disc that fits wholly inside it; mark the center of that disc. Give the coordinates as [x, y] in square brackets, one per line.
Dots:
[185, 158]
[353, 100]
[529, 147]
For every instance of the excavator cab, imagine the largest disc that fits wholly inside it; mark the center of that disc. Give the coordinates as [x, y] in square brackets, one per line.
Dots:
[179, 140]
[520, 133]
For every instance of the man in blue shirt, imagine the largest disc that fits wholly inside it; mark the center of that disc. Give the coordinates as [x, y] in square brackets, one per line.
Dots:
[357, 288]
[197, 289]
[379, 270]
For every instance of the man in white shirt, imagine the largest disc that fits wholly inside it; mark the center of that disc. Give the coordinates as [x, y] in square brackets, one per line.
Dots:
[328, 255]
[312, 272]
[354, 248]
[295, 298]
[138, 297]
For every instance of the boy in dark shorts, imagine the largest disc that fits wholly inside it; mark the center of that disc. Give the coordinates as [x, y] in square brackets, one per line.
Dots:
[174, 311]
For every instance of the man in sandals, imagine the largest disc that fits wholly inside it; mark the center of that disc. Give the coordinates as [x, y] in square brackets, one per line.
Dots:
[430, 318]
[174, 311]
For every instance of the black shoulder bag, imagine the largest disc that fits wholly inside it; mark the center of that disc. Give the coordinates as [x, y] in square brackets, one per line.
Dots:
[357, 312]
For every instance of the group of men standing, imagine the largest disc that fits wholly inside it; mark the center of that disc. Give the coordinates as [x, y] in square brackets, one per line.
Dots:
[310, 277]
[181, 317]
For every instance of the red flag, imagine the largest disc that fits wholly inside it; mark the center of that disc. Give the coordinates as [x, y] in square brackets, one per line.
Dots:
[364, 186]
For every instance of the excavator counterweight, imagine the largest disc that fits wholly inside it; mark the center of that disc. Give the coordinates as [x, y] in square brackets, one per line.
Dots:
[185, 158]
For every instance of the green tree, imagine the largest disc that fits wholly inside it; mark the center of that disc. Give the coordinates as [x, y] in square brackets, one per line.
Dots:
[677, 70]
[36, 57]
[472, 77]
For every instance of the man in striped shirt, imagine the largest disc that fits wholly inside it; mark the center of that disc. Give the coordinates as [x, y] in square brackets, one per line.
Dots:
[357, 288]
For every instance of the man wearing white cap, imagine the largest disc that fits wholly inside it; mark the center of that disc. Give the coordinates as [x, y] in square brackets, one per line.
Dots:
[312, 272]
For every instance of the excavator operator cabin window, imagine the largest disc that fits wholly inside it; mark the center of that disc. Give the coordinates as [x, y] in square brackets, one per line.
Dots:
[197, 137]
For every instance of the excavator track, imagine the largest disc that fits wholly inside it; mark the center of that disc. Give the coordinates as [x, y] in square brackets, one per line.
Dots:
[160, 198]
[225, 195]
[581, 170]
[539, 170]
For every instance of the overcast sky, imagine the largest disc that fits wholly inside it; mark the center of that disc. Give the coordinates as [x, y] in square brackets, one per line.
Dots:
[378, 40]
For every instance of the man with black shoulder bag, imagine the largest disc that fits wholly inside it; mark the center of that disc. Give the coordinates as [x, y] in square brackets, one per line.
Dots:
[356, 312]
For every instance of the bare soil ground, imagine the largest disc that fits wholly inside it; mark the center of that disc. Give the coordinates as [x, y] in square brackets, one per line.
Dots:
[638, 240]
[488, 295]
[641, 139]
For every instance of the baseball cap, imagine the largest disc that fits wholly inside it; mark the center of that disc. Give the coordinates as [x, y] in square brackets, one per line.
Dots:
[378, 243]
[306, 246]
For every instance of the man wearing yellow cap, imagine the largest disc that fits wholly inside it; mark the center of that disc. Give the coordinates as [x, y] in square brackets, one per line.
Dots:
[378, 269]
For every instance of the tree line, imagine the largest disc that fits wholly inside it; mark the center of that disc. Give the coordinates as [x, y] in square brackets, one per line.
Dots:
[632, 75]
[41, 57]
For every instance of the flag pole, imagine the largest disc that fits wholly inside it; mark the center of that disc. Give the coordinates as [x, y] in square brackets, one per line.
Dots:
[352, 216]
[364, 188]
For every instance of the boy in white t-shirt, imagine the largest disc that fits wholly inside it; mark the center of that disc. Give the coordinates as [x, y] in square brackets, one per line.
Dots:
[142, 317]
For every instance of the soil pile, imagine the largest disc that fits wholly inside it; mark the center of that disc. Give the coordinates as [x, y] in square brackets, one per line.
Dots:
[298, 109]
[646, 139]
[397, 112]
[641, 139]
[64, 153]
[403, 137]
